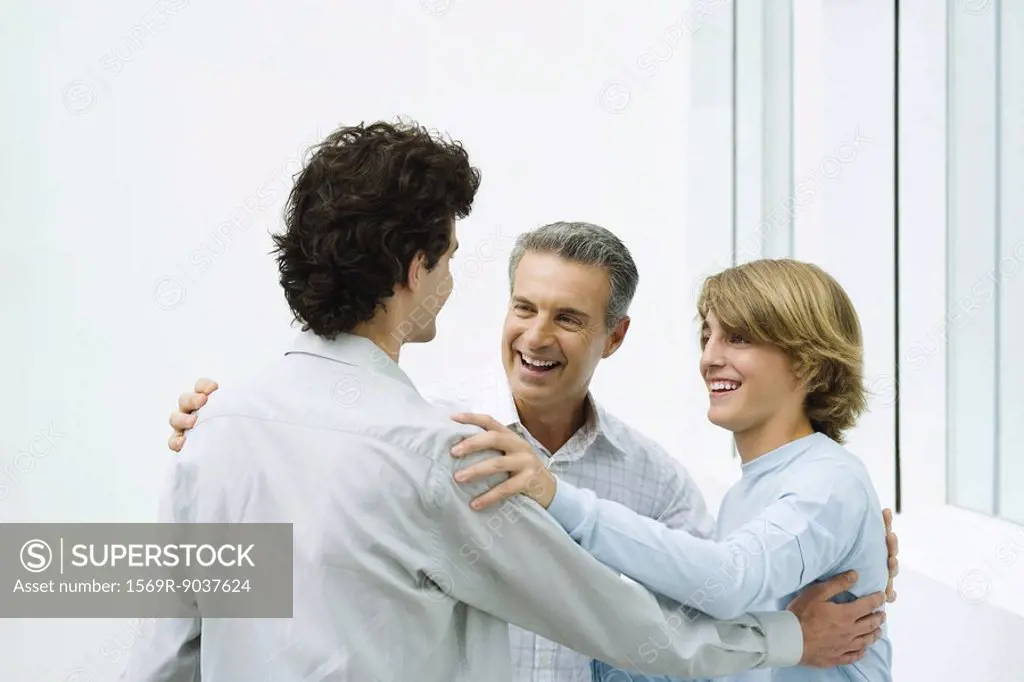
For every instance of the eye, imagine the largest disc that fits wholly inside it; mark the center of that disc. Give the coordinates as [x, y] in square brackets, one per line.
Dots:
[736, 338]
[569, 319]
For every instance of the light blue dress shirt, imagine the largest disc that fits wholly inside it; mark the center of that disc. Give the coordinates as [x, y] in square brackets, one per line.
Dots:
[395, 577]
[802, 513]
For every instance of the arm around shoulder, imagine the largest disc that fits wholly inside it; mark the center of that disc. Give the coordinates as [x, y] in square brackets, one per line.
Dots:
[792, 542]
[514, 562]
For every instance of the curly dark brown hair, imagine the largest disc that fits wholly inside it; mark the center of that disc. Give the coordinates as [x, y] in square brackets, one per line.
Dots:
[369, 198]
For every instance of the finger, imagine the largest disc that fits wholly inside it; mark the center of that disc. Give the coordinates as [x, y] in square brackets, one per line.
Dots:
[869, 624]
[867, 605]
[864, 641]
[488, 440]
[204, 385]
[475, 443]
[852, 657]
[892, 543]
[887, 517]
[190, 402]
[500, 492]
[175, 443]
[894, 567]
[182, 422]
[490, 467]
[482, 420]
[836, 586]
[891, 596]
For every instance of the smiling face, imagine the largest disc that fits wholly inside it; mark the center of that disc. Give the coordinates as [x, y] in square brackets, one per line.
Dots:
[750, 386]
[781, 349]
[555, 333]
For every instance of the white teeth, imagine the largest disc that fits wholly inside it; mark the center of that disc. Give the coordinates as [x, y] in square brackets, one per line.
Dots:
[538, 363]
[724, 385]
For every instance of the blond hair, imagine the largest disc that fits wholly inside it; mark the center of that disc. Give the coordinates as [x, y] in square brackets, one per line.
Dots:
[801, 309]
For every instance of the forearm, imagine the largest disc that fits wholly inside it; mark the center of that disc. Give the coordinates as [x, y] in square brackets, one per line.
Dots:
[168, 649]
[168, 653]
[516, 564]
[723, 579]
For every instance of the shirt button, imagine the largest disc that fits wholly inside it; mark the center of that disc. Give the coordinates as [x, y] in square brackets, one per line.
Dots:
[545, 659]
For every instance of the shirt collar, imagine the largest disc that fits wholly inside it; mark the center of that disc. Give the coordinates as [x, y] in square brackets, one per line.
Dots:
[780, 455]
[350, 349]
[596, 425]
[605, 428]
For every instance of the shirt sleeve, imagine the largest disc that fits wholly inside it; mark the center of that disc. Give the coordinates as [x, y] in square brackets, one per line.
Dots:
[168, 649]
[794, 541]
[685, 507]
[602, 672]
[515, 563]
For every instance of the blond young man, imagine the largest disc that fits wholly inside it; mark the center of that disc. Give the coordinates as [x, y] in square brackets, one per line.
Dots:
[782, 358]
[383, 588]
[184, 419]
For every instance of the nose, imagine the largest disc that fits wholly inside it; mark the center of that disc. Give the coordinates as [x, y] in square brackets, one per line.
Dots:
[711, 356]
[538, 332]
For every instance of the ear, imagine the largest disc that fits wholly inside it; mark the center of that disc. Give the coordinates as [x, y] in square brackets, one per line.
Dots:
[806, 380]
[417, 271]
[616, 337]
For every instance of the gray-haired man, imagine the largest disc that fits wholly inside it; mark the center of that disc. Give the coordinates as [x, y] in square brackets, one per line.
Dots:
[571, 285]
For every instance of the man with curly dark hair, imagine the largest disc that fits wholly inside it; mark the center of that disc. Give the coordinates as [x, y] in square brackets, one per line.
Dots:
[395, 576]
[370, 229]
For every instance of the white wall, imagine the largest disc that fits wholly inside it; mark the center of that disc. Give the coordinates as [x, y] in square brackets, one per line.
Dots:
[138, 133]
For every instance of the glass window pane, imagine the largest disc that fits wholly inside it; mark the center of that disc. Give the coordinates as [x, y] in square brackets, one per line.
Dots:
[779, 198]
[972, 243]
[764, 129]
[1011, 265]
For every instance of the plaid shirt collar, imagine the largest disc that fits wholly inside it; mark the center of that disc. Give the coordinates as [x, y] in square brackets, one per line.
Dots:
[597, 425]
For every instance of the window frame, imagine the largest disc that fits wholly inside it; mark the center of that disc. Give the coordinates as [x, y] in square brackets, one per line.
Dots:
[905, 450]
[971, 552]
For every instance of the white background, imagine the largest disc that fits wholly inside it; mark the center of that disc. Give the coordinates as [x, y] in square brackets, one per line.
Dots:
[138, 133]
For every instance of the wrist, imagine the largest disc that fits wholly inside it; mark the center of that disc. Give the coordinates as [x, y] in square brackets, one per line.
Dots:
[550, 488]
[543, 487]
[784, 634]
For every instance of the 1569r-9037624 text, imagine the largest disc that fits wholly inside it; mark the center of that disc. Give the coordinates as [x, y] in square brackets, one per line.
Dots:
[137, 586]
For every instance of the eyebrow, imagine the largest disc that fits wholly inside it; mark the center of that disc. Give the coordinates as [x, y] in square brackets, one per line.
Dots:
[564, 309]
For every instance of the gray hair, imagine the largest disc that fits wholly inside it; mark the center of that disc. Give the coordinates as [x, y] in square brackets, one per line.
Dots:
[590, 245]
